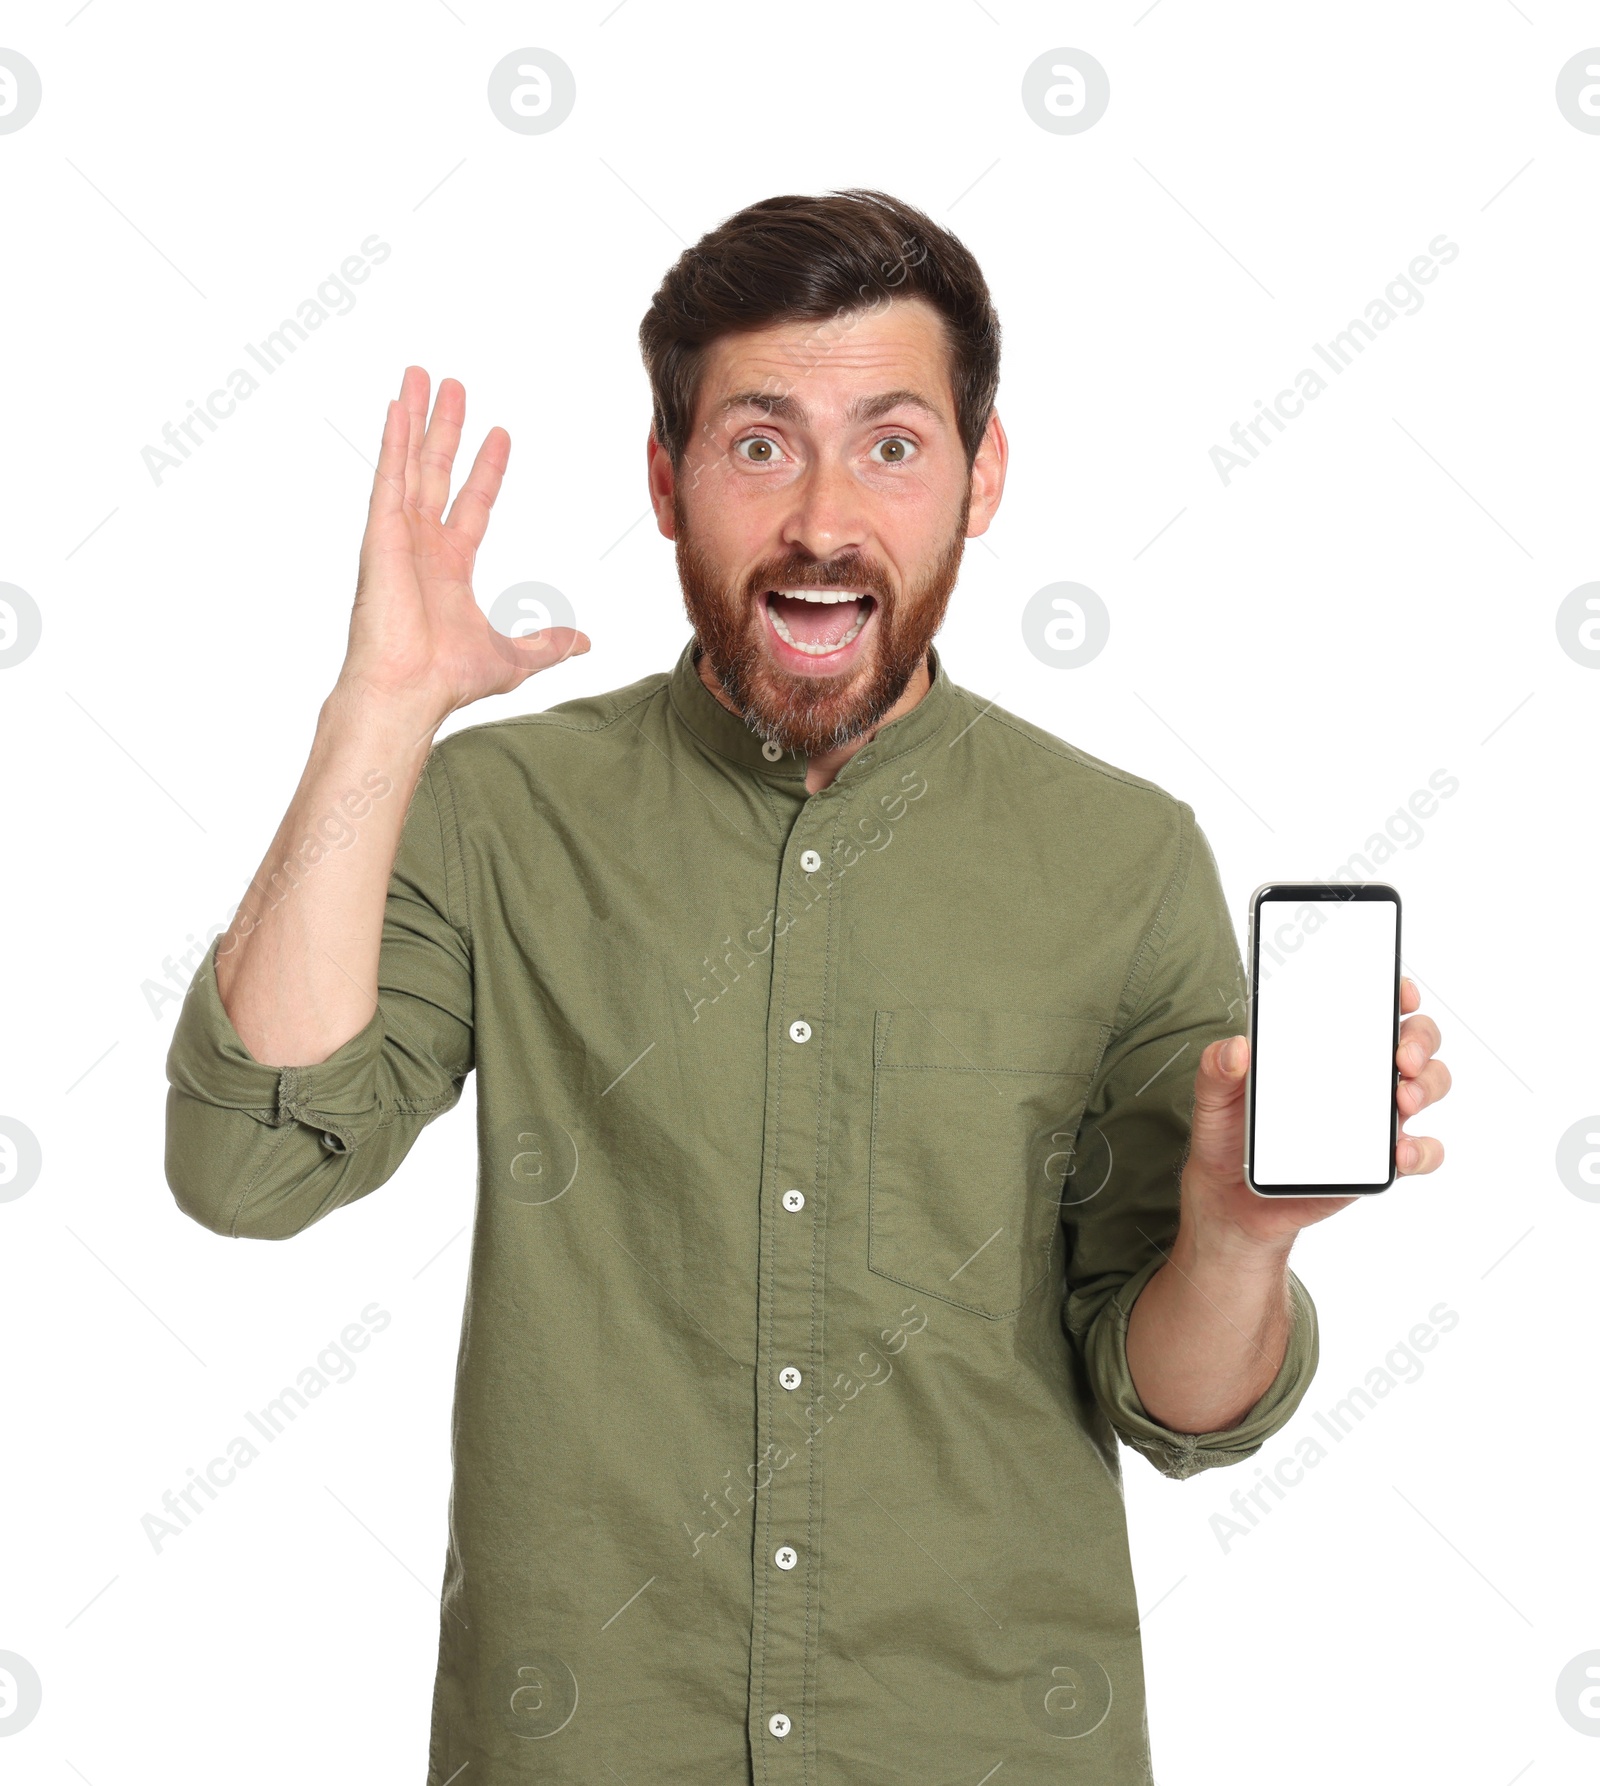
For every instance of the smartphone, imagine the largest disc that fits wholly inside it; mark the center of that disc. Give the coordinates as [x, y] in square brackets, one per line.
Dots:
[1324, 1029]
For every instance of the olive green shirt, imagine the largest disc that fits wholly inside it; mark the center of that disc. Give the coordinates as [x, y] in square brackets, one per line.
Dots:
[825, 1142]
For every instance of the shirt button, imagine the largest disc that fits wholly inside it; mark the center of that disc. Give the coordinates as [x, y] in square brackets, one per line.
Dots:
[779, 1725]
[786, 1556]
[789, 1377]
[794, 1201]
[810, 861]
[800, 1030]
[332, 1142]
[771, 751]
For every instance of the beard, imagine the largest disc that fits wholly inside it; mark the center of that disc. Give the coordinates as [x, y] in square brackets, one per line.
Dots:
[812, 715]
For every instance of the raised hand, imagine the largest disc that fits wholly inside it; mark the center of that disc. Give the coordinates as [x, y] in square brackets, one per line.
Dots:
[297, 970]
[418, 638]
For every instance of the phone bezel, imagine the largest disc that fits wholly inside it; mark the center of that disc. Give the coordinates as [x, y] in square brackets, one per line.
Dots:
[1317, 891]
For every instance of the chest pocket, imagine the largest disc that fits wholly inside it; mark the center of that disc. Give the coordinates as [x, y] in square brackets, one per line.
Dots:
[974, 1117]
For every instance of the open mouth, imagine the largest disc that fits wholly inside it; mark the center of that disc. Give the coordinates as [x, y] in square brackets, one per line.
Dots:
[818, 622]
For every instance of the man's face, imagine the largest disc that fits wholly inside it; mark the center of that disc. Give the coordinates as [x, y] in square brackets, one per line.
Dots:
[820, 514]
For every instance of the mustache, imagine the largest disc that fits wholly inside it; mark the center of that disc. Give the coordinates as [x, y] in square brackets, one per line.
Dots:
[850, 571]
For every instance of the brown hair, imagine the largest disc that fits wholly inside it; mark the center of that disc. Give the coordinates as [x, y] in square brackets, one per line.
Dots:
[803, 259]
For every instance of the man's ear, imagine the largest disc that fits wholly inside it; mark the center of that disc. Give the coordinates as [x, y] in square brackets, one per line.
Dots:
[988, 477]
[662, 482]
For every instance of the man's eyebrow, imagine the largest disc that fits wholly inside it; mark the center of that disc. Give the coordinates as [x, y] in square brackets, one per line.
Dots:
[869, 409]
[779, 408]
[784, 408]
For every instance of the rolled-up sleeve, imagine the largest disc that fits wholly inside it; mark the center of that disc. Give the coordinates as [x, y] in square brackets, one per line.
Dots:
[261, 1151]
[1120, 1203]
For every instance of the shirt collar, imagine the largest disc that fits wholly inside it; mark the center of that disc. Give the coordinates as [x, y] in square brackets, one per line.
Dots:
[724, 732]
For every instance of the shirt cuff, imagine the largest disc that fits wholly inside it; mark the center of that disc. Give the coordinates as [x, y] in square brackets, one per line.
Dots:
[338, 1097]
[1186, 1454]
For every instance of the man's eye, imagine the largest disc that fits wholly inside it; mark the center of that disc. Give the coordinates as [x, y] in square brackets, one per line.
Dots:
[895, 450]
[763, 451]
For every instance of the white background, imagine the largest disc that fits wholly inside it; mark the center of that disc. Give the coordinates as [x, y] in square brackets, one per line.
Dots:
[1372, 601]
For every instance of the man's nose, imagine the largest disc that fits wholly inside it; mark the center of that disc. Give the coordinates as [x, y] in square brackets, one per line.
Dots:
[828, 514]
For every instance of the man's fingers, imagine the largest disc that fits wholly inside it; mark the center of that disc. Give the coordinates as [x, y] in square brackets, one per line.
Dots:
[1224, 1064]
[389, 480]
[414, 395]
[1418, 1153]
[1426, 1087]
[439, 446]
[469, 513]
[537, 651]
[1215, 1086]
[1419, 1040]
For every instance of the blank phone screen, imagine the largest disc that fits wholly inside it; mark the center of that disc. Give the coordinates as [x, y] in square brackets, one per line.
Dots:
[1323, 1066]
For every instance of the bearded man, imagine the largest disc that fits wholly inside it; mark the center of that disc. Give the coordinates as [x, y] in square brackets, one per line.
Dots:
[859, 1091]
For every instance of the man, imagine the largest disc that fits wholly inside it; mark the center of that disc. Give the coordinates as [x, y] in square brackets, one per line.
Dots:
[859, 1125]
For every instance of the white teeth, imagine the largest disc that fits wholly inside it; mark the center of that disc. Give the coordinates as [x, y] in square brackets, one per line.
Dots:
[839, 644]
[821, 595]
